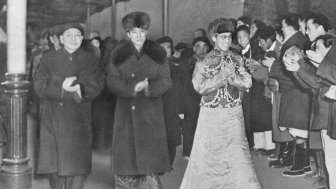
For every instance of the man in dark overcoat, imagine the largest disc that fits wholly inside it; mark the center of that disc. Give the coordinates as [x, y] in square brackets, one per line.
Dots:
[173, 98]
[67, 81]
[139, 75]
[295, 100]
[318, 25]
[191, 104]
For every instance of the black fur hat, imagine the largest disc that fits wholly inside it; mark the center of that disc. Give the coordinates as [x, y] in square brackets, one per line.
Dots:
[136, 20]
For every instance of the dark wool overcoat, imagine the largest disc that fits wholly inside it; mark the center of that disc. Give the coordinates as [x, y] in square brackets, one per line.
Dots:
[65, 133]
[295, 100]
[139, 141]
[172, 101]
[327, 71]
[255, 101]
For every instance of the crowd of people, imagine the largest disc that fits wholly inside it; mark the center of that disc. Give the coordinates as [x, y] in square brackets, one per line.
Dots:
[242, 88]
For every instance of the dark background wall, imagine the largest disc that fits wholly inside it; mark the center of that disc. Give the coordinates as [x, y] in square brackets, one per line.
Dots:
[187, 15]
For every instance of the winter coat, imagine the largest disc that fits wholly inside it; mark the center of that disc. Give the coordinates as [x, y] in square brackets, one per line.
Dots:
[327, 71]
[295, 100]
[65, 135]
[172, 101]
[139, 141]
[260, 106]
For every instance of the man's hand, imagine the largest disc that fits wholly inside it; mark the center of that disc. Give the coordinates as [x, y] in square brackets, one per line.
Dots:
[252, 64]
[291, 64]
[228, 69]
[67, 84]
[268, 61]
[315, 56]
[141, 85]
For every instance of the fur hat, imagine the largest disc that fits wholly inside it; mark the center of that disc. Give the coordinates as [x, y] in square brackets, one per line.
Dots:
[71, 25]
[136, 20]
[220, 25]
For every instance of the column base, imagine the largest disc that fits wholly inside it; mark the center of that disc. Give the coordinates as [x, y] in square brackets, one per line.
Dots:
[15, 177]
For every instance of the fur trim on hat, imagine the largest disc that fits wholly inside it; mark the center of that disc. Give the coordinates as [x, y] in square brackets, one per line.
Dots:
[124, 51]
[136, 20]
[220, 25]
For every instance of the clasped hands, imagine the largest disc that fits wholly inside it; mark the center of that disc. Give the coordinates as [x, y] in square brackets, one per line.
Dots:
[141, 85]
[69, 87]
[228, 71]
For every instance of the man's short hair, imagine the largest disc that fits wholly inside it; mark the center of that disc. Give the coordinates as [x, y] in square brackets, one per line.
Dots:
[246, 20]
[181, 46]
[243, 28]
[267, 33]
[320, 19]
[292, 20]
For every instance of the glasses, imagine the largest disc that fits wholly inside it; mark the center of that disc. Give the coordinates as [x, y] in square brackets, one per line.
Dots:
[224, 37]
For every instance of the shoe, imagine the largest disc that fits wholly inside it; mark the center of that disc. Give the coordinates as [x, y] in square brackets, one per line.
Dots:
[321, 181]
[300, 159]
[285, 157]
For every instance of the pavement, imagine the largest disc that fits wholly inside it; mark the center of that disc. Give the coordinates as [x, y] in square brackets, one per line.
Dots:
[102, 176]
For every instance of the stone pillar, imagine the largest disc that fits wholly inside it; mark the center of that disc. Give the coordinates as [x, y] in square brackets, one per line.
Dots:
[15, 172]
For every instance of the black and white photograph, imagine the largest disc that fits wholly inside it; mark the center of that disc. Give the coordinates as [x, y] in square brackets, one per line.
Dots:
[167, 94]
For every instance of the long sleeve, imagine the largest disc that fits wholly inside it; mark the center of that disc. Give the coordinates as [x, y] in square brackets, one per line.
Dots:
[327, 70]
[91, 80]
[205, 85]
[119, 85]
[242, 79]
[162, 82]
[306, 76]
[48, 85]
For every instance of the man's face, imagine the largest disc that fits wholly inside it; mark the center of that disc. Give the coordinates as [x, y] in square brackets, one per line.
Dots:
[287, 30]
[72, 39]
[95, 43]
[312, 30]
[223, 40]
[243, 38]
[253, 29]
[200, 49]
[265, 44]
[137, 36]
[168, 47]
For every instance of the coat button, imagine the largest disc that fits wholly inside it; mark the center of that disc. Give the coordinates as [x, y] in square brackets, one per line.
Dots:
[133, 107]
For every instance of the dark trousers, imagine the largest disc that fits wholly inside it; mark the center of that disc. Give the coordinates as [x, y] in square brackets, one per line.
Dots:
[66, 182]
[189, 125]
[246, 105]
